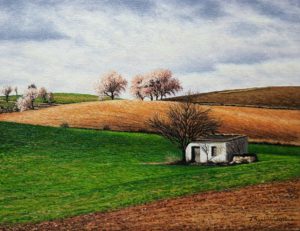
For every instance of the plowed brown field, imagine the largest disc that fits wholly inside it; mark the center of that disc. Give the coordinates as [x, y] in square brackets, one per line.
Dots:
[263, 207]
[272, 97]
[261, 125]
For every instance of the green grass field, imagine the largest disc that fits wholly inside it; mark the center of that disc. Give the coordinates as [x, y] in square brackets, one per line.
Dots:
[49, 173]
[59, 98]
[66, 98]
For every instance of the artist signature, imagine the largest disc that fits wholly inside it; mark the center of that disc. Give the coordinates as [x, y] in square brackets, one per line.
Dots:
[281, 219]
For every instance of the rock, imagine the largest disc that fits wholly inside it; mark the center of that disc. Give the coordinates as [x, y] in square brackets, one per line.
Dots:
[244, 158]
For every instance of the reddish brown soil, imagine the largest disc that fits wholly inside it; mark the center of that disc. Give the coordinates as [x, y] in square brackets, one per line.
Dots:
[272, 97]
[273, 206]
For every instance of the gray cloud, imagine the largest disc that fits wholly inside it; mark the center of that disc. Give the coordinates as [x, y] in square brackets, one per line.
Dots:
[209, 45]
[276, 9]
[37, 34]
[210, 9]
[23, 21]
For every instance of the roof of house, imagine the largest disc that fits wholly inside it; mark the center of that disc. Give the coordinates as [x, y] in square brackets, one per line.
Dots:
[220, 138]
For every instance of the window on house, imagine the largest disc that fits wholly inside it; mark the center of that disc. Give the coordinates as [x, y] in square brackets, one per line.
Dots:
[213, 151]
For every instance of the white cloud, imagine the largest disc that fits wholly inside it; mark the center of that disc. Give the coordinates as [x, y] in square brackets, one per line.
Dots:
[240, 48]
[279, 72]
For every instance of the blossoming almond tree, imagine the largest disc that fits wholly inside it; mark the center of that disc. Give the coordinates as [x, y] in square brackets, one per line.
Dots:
[32, 94]
[24, 103]
[164, 83]
[6, 92]
[137, 87]
[111, 84]
[157, 84]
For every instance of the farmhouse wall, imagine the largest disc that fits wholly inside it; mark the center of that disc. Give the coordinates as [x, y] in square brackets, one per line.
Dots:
[205, 152]
[220, 152]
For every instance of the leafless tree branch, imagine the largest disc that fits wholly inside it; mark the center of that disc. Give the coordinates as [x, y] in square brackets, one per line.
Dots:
[185, 123]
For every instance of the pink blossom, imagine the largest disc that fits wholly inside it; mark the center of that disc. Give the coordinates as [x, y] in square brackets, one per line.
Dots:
[111, 84]
[157, 84]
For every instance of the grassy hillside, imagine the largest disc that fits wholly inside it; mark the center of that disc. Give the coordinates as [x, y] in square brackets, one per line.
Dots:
[276, 97]
[261, 125]
[66, 98]
[59, 98]
[49, 173]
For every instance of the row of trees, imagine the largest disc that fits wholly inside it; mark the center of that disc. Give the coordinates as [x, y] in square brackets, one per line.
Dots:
[26, 101]
[157, 84]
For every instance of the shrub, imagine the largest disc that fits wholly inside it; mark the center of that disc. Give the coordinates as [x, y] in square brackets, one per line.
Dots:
[106, 128]
[64, 125]
[42, 92]
[50, 98]
[143, 130]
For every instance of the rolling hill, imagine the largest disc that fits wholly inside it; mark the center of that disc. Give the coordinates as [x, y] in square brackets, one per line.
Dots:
[59, 98]
[52, 173]
[261, 125]
[269, 97]
[66, 98]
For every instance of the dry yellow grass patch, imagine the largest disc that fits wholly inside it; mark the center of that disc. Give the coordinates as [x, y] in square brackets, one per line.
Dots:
[262, 125]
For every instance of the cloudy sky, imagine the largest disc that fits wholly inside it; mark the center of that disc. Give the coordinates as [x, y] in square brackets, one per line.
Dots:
[209, 45]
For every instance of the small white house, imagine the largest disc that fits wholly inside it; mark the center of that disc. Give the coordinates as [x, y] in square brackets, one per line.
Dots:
[216, 148]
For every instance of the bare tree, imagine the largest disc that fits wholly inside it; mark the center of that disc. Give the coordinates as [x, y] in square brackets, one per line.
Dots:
[185, 122]
[205, 148]
[111, 84]
[16, 91]
[6, 92]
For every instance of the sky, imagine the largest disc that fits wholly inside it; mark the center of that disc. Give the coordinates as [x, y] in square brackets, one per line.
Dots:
[209, 45]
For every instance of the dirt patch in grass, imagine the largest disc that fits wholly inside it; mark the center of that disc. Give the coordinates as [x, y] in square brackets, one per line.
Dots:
[273, 206]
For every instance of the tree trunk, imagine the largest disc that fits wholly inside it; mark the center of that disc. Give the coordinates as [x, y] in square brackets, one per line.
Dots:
[183, 156]
[112, 96]
[6, 98]
[32, 104]
[151, 97]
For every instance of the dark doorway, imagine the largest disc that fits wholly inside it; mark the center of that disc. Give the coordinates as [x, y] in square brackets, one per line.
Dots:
[195, 152]
[213, 151]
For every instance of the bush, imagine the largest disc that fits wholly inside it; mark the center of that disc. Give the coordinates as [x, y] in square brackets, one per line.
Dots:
[143, 130]
[64, 125]
[106, 128]
[8, 107]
